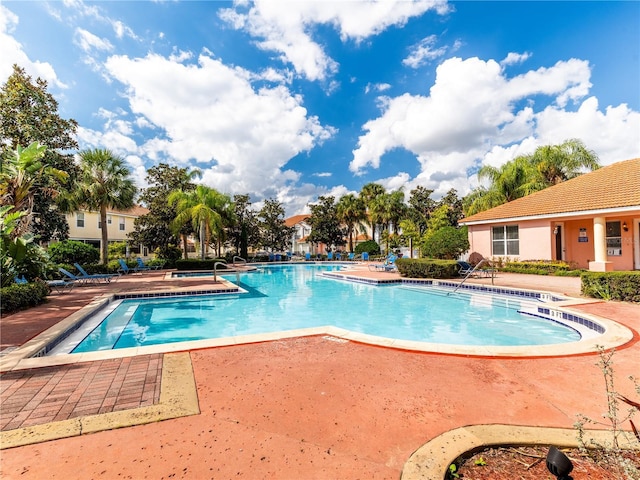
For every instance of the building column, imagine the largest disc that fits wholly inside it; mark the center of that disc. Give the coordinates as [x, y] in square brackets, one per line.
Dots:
[600, 264]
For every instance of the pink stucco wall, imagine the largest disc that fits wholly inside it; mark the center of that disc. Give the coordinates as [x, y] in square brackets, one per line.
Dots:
[538, 242]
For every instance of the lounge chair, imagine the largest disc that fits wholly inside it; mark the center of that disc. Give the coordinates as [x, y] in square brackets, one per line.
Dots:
[389, 265]
[351, 256]
[144, 266]
[338, 256]
[105, 277]
[124, 268]
[307, 256]
[61, 286]
[20, 280]
[330, 256]
[75, 278]
[365, 256]
[465, 268]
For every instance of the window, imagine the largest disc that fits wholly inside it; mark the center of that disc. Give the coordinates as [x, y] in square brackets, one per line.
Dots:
[80, 220]
[108, 219]
[122, 224]
[504, 240]
[614, 239]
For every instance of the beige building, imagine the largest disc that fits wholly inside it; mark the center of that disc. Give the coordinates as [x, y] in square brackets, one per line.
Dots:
[85, 226]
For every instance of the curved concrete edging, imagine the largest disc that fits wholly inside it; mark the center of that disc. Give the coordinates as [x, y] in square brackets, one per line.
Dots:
[432, 460]
[178, 398]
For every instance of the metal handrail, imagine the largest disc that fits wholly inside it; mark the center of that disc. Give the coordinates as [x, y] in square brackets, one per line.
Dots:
[471, 273]
[239, 258]
[215, 278]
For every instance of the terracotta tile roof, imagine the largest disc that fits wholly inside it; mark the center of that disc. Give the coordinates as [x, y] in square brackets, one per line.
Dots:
[136, 211]
[611, 187]
[291, 221]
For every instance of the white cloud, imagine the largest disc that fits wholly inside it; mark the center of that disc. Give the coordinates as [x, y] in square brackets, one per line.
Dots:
[89, 42]
[424, 52]
[13, 53]
[322, 174]
[210, 116]
[285, 27]
[513, 58]
[376, 87]
[474, 113]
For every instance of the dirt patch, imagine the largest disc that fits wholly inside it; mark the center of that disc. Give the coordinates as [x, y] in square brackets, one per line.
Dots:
[528, 463]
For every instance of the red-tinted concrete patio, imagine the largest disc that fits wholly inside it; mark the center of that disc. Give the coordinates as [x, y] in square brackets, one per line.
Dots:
[311, 407]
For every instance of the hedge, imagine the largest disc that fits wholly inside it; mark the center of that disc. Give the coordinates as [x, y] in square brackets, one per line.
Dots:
[622, 286]
[541, 267]
[197, 264]
[427, 268]
[20, 296]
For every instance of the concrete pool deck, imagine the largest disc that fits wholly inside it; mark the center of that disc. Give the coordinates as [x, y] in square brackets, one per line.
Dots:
[306, 407]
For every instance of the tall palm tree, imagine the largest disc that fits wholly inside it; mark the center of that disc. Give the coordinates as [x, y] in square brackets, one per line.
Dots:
[203, 208]
[388, 209]
[104, 183]
[352, 213]
[368, 194]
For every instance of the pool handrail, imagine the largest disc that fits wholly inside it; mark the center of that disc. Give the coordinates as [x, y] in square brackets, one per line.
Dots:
[470, 273]
[215, 278]
[239, 258]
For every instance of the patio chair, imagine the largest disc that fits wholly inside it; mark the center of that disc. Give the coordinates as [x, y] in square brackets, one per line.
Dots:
[75, 278]
[465, 269]
[106, 277]
[144, 266]
[20, 280]
[307, 256]
[365, 256]
[389, 265]
[338, 256]
[61, 286]
[330, 256]
[124, 268]
[351, 256]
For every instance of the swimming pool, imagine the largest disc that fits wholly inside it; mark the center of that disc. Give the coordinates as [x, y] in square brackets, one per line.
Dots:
[289, 297]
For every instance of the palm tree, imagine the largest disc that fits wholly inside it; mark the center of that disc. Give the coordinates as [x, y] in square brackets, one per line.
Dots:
[203, 207]
[21, 177]
[368, 194]
[512, 180]
[558, 163]
[387, 209]
[351, 212]
[104, 183]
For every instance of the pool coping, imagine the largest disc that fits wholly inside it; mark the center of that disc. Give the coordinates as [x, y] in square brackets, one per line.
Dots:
[432, 459]
[178, 398]
[26, 356]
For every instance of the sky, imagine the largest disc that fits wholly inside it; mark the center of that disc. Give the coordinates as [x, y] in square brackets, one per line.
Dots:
[295, 99]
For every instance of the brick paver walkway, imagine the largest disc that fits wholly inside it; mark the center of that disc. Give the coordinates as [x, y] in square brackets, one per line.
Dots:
[38, 396]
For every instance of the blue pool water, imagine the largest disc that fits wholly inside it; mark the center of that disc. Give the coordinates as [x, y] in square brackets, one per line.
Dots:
[289, 297]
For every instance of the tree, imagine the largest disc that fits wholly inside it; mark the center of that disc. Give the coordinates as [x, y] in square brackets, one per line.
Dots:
[368, 194]
[247, 230]
[325, 226]
[454, 207]
[387, 210]
[153, 228]
[421, 205]
[559, 163]
[200, 208]
[104, 183]
[22, 176]
[275, 235]
[547, 166]
[28, 113]
[351, 212]
[446, 243]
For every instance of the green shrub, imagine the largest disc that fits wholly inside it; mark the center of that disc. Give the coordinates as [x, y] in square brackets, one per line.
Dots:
[116, 250]
[622, 286]
[427, 268]
[70, 251]
[169, 254]
[370, 246]
[541, 267]
[446, 243]
[197, 264]
[20, 296]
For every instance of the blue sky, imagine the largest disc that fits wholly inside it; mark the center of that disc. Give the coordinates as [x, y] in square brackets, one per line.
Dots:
[296, 99]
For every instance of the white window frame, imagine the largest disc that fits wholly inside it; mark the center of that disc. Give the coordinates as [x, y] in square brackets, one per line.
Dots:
[122, 224]
[80, 220]
[510, 244]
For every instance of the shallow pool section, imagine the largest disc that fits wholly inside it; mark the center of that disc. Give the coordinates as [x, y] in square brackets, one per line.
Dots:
[290, 297]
